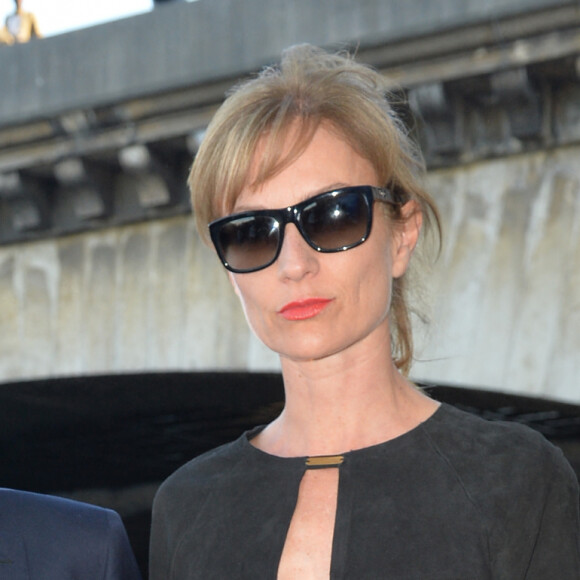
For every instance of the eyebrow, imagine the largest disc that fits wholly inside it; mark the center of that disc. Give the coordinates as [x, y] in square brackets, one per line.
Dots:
[324, 189]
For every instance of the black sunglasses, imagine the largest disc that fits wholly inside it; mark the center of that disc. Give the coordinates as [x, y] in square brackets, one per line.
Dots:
[333, 221]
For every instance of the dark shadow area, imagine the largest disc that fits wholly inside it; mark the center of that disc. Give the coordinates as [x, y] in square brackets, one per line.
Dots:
[113, 439]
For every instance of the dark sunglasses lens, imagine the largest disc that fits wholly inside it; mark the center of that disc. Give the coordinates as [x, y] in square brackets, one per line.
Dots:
[249, 243]
[335, 222]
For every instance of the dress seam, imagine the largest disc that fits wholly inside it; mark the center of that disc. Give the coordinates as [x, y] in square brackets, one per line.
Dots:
[459, 479]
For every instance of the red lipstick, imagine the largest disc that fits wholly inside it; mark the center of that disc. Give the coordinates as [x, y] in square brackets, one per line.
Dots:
[304, 309]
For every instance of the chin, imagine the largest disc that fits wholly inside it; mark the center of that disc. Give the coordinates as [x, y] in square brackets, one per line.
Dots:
[306, 351]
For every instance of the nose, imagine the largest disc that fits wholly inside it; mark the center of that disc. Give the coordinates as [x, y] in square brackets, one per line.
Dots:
[297, 259]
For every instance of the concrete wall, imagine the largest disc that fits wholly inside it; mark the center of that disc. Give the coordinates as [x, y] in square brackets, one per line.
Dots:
[185, 44]
[141, 298]
[505, 293]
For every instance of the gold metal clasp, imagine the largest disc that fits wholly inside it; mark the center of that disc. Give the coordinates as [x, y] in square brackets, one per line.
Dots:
[319, 461]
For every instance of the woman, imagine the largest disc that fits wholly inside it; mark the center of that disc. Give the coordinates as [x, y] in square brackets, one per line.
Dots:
[313, 197]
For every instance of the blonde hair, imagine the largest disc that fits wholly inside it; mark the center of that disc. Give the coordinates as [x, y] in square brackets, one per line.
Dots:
[311, 86]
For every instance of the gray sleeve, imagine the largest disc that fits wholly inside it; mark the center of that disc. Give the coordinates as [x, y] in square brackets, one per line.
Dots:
[556, 551]
[159, 556]
[537, 534]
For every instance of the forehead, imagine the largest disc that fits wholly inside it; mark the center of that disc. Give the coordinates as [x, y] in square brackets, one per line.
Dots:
[324, 162]
[253, 165]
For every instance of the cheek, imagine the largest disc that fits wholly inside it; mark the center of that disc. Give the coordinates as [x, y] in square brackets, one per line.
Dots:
[377, 274]
[243, 291]
[366, 276]
[233, 281]
[379, 288]
[252, 295]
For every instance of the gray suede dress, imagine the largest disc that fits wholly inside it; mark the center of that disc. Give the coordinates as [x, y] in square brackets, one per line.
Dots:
[456, 498]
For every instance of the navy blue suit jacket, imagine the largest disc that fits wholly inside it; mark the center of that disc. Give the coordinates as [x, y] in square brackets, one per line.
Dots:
[44, 537]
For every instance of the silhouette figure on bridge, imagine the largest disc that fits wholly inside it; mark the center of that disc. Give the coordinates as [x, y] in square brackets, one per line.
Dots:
[20, 26]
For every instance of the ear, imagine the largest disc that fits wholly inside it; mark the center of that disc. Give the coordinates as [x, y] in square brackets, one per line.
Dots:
[406, 236]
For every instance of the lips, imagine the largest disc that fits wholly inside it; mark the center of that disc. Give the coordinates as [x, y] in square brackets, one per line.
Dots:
[304, 309]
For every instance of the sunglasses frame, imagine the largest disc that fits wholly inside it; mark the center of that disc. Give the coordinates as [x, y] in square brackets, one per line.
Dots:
[292, 214]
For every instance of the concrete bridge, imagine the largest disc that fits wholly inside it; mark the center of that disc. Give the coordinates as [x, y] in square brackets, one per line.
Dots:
[101, 270]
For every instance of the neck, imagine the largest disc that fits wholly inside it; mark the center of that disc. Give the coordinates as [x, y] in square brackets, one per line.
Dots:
[343, 402]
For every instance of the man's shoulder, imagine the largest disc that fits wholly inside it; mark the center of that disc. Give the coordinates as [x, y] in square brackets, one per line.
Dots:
[21, 503]
[65, 538]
